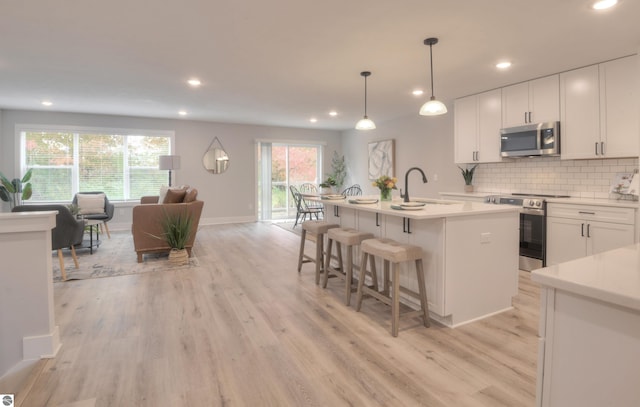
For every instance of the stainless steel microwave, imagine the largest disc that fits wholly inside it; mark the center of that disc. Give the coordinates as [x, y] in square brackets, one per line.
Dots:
[530, 140]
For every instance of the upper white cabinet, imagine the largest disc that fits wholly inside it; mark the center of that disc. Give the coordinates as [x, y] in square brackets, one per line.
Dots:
[477, 128]
[598, 112]
[619, 123]
[534, 101]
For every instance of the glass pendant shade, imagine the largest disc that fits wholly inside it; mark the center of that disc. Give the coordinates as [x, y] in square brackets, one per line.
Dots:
[433, 108]
[365, 124]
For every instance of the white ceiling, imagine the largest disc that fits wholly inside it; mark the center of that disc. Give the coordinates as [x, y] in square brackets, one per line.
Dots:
[280, 62]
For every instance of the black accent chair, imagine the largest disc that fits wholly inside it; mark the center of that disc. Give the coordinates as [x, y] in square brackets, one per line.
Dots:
[302, 209]
[104, 217]
[67, 233]
[353, 190]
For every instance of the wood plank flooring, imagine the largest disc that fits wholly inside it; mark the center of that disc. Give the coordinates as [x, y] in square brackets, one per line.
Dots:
[245, 329]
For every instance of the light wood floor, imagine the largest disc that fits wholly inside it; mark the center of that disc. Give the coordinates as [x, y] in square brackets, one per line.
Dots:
[245, 329]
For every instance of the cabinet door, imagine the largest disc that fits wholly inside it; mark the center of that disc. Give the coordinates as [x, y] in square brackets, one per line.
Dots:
[580, 113]
[544, 99]
[489, 124]
[347, 217]
[370, 222]
[515, 104]
[603, 236]
[619, 107]
[564, 240]
[465, 129]
[330, 214]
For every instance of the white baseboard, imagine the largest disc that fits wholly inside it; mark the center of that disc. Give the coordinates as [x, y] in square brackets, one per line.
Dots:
[41, 346]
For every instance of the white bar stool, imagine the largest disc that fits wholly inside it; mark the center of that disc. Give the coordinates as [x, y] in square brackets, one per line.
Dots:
[348, 237]
[393, 253]
[318, 228]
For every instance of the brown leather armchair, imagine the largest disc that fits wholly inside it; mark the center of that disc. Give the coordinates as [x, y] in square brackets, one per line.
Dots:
[147, 223]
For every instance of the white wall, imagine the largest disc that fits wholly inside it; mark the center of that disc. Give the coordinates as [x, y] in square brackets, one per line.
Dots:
[228, 197]
[425, 142]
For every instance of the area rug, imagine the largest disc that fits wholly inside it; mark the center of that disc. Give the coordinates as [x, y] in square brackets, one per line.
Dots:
[114, 257]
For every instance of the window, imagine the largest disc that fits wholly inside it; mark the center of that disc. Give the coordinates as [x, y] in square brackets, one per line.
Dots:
[123, 164]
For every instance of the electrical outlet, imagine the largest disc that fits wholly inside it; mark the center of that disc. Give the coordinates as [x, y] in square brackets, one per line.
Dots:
[435, 177]
[485, 237]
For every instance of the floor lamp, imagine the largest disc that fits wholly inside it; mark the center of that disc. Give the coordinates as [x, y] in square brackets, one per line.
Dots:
[169, 162]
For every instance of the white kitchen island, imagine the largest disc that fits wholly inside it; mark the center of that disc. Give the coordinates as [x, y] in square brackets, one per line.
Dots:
[589, 346]
[470, 251]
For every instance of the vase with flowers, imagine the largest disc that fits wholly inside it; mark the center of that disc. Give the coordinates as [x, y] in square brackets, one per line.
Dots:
[385, 183]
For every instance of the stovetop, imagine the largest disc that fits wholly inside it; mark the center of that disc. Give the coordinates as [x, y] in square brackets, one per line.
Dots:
[528, 201]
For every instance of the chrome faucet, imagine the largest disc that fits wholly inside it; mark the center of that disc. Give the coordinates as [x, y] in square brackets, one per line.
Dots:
[406, 183]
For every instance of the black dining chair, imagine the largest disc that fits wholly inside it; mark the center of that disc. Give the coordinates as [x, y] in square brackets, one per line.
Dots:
[302, 209]
[353, 190]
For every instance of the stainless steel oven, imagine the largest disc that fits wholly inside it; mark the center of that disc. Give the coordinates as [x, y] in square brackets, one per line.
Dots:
[533, 227]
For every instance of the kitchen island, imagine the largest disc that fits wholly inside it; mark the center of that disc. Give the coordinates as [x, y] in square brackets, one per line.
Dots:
[589, 346]
[470, 251]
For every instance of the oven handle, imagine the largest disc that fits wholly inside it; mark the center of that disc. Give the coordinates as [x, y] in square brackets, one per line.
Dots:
[530, 211]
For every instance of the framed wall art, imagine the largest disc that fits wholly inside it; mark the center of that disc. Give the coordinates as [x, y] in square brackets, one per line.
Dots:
[381, 158]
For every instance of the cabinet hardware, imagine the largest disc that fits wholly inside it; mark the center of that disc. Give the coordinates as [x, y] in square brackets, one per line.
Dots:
[586, 213]
[588, 230]
[602, 147]
[336, 211]
[406, 225]
[377, 220]
[525, 117]
[582, 230]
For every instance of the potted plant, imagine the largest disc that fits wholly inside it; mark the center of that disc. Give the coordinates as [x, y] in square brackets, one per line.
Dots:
[328, 184]
[16, 190]
[467, 174]
[176, 230]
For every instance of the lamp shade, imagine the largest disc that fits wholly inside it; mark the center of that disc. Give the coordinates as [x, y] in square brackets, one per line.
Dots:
[433, 108]
[169, 162]
[365, 124]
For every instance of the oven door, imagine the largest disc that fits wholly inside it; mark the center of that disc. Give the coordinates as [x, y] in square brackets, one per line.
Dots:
[532, 239]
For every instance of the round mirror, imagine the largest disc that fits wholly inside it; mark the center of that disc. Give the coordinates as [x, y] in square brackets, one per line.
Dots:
[215, 160]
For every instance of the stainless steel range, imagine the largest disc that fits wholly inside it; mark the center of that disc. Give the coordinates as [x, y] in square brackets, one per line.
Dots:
[533, 226]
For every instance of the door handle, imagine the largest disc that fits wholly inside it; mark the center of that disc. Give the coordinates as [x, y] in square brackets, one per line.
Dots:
[602, 147]
[596, 148]
[588, 230]
[525, 117]
[336, 211]
[377, 220]
[582, 230]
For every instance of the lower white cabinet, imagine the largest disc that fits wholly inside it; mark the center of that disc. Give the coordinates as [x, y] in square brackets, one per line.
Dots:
[575, 231]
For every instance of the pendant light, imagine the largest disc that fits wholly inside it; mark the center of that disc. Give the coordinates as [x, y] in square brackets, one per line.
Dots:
[365, 123]
[433, 107]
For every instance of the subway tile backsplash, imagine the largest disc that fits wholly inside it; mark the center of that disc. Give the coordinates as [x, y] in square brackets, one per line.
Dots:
[551, 175]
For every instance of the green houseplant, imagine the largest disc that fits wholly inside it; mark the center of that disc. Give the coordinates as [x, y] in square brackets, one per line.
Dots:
[467, 174]
[328, 184]
[16, 190]
[176, 230]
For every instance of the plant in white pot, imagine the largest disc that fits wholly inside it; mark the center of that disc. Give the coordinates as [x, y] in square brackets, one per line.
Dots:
[467, 174]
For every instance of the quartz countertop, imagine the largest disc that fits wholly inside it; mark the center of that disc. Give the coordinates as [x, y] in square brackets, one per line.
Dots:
[433, 208]
[612, 276]
[474, 194]
[592, 201]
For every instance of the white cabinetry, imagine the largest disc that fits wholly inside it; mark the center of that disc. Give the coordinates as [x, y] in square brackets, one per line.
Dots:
[534, 101]
[575, 231]
[599, 110]
[477, 128]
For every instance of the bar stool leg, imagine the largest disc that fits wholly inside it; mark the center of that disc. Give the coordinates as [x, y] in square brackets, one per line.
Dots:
[395, 301]
[303, 237]
[374, 272]
[385, 288]
[319, 255]
[363, 270]
[348, 280]
[423, 293]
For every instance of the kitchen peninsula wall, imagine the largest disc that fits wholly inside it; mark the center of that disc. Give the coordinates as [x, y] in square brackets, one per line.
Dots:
[551, 175]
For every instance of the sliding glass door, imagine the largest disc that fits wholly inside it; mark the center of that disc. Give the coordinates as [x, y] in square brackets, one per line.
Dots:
[281, 165]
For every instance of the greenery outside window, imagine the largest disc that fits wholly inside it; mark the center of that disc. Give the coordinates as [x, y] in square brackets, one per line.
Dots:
[123, 164]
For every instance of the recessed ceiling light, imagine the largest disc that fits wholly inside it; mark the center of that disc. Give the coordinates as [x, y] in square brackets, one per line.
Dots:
[194, 82]
[313, 120]
[47, 103]
[503, 65]
[333, 113]
[604, 4]
[418, 92]
[182, 112]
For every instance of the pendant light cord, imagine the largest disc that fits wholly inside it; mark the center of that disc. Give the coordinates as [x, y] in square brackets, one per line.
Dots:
[365, 97]
[431, 60]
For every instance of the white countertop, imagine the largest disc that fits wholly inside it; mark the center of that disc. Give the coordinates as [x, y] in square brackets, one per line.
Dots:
[474, 194]
[601, 202]
[434, 208]
[612, 276]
